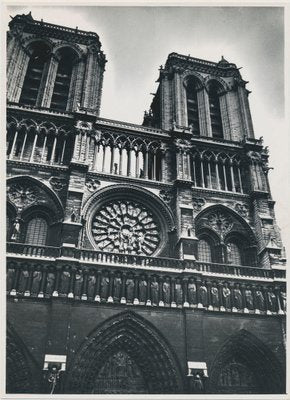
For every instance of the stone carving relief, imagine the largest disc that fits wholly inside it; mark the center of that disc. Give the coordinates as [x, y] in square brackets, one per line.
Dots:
[57, 183]
[166, 196]
[220, 223]
[21, 195]
[197, 203]
[120, 374]
[242, 209]
[125, 227]
[92, 184]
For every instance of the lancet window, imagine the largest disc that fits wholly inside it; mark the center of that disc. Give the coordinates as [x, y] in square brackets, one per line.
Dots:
[34, 74]
[36, 232]
[192, 105]
[215, 111]
[62, 80]
[204, 251]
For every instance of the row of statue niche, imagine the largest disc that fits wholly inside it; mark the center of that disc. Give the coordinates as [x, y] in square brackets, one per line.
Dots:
[144, 289]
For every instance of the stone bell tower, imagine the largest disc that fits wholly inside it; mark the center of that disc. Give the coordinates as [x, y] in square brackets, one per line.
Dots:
[141, 259]
[53, 67]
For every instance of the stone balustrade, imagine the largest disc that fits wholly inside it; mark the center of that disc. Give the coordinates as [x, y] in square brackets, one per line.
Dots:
[88, 257]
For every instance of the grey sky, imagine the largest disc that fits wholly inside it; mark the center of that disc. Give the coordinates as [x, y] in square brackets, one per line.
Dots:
[137, 40]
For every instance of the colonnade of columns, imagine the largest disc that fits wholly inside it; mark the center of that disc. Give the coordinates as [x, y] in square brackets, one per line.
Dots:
[36, 145]
[212, 172]
[119, 158]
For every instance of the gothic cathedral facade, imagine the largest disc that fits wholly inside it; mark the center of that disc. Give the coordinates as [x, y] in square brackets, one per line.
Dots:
[140, 258]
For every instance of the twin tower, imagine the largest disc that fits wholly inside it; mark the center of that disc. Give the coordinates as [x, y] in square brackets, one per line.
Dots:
[140, 258]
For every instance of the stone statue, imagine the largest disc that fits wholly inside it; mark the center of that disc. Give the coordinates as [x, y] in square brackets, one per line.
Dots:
[142, 289]
[65, 280]
[249, 298]
[238, 298]
[50, 279]
[130, 289]
[24, 275]
[105, 281]
[166, 290]
[36, 279]
[91, 286]
[260, 300]
[203, 294]
[215, 295]
[283, 298]
[226, 296]
[78, 284]
[10, 279]
[272, 303]
[16, 229]
[178, 292]
[191, 291]
[154, 291]
[117, 287]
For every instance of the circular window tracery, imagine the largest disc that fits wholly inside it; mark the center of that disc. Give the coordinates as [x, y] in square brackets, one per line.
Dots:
[122, 226]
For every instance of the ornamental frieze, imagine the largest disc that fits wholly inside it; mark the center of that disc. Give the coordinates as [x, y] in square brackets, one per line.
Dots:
[21, 195]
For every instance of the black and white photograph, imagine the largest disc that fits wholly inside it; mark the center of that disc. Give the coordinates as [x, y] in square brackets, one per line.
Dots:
[147, 199]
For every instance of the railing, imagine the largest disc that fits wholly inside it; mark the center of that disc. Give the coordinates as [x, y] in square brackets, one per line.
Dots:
[129, 259]
[243, 271]
[89, 257]
[29, 250]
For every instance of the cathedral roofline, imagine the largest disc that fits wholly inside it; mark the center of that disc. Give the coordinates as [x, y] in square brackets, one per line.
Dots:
[34, 26]
[220, 64]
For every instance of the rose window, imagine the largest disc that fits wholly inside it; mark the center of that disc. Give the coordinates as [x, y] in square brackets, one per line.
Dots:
[125, 227]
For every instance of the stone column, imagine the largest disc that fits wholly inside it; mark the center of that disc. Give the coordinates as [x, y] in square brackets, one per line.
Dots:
[173, 300]
[136, 297]
[71, 284]
[225, 116]
[110, 294]
[85, 284]
[245, 111]
[98, 286]
[185, 292]
[15, 82]
[47, 81]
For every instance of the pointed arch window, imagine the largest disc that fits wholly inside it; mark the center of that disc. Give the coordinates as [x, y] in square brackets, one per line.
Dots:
[192, 106]
[234, 255]
[63, 80]
[204, 251]
[215, 111]
[34, 74]
[36, 232]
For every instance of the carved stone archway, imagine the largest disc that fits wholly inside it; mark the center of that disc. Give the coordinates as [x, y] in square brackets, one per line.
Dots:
[245, 365]
[22, 373]
[131, 337]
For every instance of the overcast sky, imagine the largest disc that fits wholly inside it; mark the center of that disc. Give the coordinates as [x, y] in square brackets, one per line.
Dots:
[137, 40]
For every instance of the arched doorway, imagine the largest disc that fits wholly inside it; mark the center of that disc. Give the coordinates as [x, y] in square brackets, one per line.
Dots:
[244, 365]
[22, 373]
[125, 355]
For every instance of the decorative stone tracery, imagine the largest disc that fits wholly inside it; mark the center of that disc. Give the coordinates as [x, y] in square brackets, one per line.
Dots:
[124, 226]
